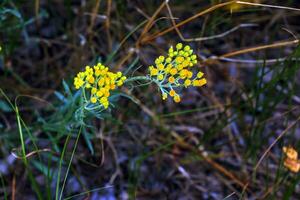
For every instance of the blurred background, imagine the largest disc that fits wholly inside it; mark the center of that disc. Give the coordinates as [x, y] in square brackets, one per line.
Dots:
[223, 141]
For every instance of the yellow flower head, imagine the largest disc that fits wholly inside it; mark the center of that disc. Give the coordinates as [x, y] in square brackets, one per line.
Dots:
[176, 71]
[98, 81]
[291, 160]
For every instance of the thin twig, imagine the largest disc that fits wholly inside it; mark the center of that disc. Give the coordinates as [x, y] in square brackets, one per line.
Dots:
[247, 50]
[208, 10]
[275, 141]
[267, 5]
[252, 49]
[219, 35]
[107, 24]
[29, 154]
[150, 23]
[93, 17]
[268, 61]
[13, 188]
[204, 38]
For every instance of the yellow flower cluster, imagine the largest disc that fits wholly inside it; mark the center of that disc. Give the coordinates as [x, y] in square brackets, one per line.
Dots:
[99, 81]
[291, 160]
[175, 71]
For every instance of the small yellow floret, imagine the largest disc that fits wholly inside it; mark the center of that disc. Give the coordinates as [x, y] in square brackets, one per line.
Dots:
[177, 98]
[173, 71]
[94, 90]
[153, 72]
[171, 79]
[168, 60]
[164, 96]
[199, 83]
[160, 77]
[179, 46]
[202, 82]
[179, 59]
[187, 48]
[120, 83]
[199, 75]
[99, 93]
[172, 93]
[91, 79]
[160, 67]
[93, 99]
[187, 82]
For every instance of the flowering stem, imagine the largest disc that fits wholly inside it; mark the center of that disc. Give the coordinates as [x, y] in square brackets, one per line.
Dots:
[142, 78]
[138, 78]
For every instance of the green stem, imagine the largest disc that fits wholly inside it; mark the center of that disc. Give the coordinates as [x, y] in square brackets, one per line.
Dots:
[3, 186]
[34, 183]
[70, 162]
[60, 166]
[143, 78]
[138, 78]
[21, 136]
